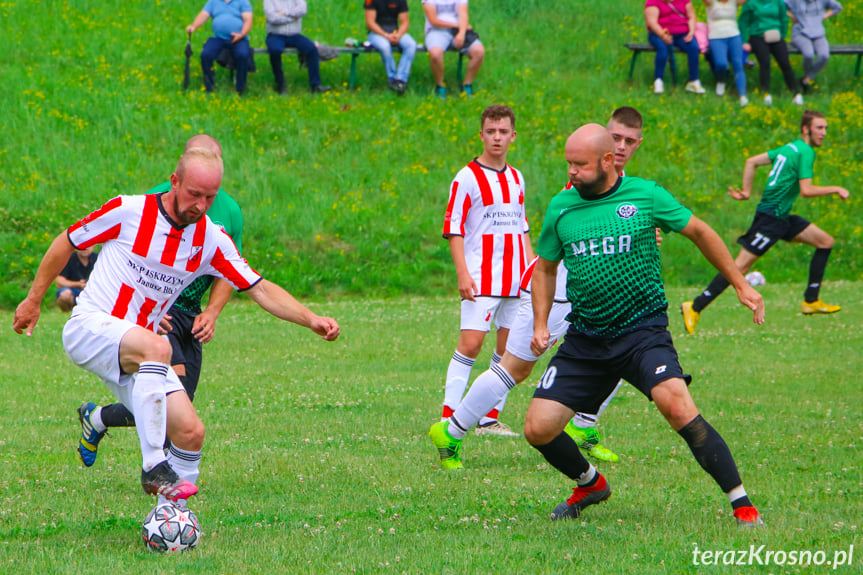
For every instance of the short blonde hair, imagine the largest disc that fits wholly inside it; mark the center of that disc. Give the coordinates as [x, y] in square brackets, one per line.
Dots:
[199, 155]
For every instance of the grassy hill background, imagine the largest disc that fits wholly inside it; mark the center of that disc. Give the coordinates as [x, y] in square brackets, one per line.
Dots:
[345, 192]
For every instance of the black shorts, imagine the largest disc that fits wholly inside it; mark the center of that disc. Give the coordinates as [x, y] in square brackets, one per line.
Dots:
[185, 349]
[585, 369]
[767, 230]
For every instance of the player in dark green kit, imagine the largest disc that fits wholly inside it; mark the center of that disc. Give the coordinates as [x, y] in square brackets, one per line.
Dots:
[189, 327]
[790, 176]
[603, 230]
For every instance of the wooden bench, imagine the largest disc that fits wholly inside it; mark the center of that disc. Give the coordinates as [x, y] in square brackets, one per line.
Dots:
[837, 49]
[356, 52]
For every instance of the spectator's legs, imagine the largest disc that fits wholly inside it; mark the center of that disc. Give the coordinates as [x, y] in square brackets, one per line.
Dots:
[719, 50]
[822, 53]
[475, 55]
[383, 46]
[736, 55]
[436, 64]
[692, 54]
[275, 47]
[780, 54]
[409, 50]
[762, 53]
[662, 50]
[242, 54]
[308, 49]
[209, 53]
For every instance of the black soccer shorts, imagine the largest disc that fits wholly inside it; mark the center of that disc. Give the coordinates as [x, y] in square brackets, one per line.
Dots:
[185, 349]
[767, 230]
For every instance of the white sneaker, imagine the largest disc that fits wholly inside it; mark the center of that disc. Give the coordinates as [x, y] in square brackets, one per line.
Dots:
[495, 428]
[768, 100]
[658, 86]
[695, 87]
[744, 101]
[798, 99]
[720, 88]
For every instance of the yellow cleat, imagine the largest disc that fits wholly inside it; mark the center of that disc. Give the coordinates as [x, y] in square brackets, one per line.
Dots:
[818, 306]
[690, 316]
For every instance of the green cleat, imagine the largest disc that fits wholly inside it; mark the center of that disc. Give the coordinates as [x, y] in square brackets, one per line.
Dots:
[587, 438]
[448, 447]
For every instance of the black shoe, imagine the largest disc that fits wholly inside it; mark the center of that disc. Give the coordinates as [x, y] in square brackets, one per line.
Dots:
[806, 86]
[320, 89]
[281, 89]
[401, 88]
[163, 480]
[393, 85]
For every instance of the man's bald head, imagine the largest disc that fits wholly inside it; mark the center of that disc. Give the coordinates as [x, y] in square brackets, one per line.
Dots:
[590, 154]
[204, 141]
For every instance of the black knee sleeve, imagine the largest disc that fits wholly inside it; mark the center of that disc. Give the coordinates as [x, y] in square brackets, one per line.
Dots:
[564, 455]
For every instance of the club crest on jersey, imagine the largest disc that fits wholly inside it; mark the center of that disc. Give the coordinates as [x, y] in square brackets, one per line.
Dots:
[196, 253]
[626, 211]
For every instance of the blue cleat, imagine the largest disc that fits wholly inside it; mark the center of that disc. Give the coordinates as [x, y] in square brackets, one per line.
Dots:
[90, 438]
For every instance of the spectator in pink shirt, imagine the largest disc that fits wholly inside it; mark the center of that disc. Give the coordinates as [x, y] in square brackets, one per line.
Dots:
[672, 23]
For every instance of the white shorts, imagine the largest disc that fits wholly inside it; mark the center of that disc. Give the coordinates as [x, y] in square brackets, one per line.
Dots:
[92, 341]
[518, 343]
[478, 315]
[442, 38]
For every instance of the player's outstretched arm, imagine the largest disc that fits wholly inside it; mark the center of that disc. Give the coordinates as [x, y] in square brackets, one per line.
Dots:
[749, 176]
[281, 304]
[714, 250]
[810, 190]
[542, 298]
[27, 312]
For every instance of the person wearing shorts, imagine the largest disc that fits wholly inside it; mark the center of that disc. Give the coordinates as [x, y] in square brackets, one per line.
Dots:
[790, 176]
[487, 230]
[493, 385]
[153, 245]
[187, 326]
[603, 229]
[73, 279]
[448, 25]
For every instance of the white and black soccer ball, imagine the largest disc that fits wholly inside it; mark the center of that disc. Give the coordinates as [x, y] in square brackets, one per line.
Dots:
[169, 528]
[755, 279]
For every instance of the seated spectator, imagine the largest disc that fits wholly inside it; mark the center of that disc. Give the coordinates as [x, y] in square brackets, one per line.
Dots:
[726, 45]
[284, 27]
[74, 278]
[672, 23]
[809, 35]
[447, 24]
[232, 21]
[388, 23]
[763, 25]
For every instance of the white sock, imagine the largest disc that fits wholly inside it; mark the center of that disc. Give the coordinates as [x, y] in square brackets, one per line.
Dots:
[185, 463]
[736, 493]
[150, 408]
[588, 476]
[487, 389]
[96, 420]
[457, 375]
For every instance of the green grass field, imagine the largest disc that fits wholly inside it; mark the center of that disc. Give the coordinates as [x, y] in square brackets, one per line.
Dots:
[317, 458]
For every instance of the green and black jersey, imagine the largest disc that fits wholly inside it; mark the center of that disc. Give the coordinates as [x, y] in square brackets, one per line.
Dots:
[608, 245]
[225, 213]
[791, 163]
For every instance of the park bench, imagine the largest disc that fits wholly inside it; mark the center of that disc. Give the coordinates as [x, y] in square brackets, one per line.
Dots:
[837, 49]
[356, 51]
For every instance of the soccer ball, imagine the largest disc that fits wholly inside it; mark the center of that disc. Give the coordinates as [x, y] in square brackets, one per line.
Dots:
[169, 528]
[755, 279]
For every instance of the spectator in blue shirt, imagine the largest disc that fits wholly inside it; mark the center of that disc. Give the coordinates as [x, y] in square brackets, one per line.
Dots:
[232, 21]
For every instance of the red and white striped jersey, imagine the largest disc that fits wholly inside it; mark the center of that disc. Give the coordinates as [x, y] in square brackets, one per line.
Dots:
[559, 286]
[146, 262]
[486, 207]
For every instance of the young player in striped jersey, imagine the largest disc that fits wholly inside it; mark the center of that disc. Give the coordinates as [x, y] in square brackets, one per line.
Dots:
[790, 176]
[492, 386]
[486, 227]
[153, 246]
[187, 325]
[604, 232]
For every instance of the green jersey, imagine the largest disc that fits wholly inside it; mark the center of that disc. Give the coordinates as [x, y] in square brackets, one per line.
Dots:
[791, 163]
[225, 213]
[608, 245]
